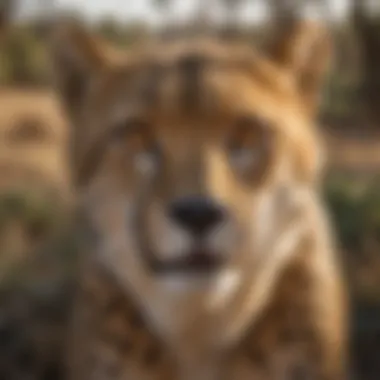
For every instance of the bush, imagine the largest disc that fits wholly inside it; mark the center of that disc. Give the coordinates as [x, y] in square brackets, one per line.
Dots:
[355, 209]
[23, 59]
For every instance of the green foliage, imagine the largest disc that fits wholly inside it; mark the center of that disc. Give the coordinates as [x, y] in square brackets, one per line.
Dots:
[355, 209]
[46, 245]
[122, 34]
[32, 208]
[23, 59]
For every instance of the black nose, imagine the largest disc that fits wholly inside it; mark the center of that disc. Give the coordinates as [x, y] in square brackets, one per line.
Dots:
[197, 214]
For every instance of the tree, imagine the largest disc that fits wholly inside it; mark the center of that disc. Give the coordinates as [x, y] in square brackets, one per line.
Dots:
[109, 28]
[7, 8]
[288, 11]
[232, 8]
[45, 9]
[202, 17]
[367, 29]
[163, 6]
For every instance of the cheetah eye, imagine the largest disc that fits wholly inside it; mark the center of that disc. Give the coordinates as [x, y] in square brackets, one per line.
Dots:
[146, 161]
[135, 141]
[144, 152]
[248, 145]
[244, 158]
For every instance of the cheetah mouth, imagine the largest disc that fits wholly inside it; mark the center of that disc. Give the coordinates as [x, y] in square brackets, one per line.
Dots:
[196, 261]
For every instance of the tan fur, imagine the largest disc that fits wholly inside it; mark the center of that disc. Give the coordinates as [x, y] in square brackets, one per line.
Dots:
[276, 307]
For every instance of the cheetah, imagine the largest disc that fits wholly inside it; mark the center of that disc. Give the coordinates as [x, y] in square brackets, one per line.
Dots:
[197, 168]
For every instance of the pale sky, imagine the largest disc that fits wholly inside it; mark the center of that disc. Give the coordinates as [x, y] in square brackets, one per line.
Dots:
[143, 9]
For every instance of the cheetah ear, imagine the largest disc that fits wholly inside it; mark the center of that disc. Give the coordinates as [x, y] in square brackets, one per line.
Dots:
[304, 51]
[77, 58]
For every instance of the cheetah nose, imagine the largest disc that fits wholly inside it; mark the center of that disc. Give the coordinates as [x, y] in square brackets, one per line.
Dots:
[198, 215]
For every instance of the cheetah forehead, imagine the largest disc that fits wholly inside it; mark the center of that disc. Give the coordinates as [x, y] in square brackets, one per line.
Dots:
[182, 73]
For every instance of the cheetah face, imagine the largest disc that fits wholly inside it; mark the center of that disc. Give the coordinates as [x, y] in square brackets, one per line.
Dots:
[190, 158]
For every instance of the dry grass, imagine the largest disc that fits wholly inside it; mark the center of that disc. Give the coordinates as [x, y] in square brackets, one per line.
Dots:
[360, 153]
[32, 140]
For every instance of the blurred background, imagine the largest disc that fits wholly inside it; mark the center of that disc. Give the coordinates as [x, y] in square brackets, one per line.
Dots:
[37, 237]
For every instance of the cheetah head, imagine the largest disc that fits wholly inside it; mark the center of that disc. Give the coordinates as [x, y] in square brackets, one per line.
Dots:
[190, 158]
